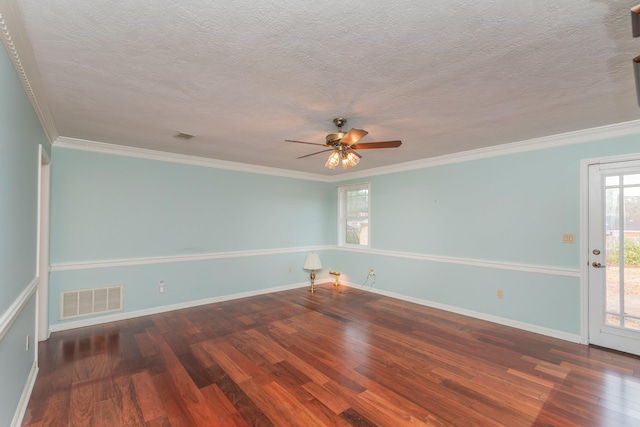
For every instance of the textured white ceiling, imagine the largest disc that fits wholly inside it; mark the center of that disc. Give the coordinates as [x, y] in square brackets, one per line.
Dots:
[443, 76]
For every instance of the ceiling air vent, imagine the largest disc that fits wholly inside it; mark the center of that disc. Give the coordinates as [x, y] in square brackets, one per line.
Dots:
[90, 301]
[182, 135]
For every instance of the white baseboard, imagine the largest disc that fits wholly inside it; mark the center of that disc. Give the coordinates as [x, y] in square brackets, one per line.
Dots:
[475, 314]
[26, 395]
[554, 333]
[162, 309]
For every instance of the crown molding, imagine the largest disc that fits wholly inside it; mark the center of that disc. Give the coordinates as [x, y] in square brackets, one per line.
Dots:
[569, 138]
[16, 42]
[163, 156]
[553, 141]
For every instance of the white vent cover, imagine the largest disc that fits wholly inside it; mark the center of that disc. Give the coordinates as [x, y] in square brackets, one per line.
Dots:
[90, 301]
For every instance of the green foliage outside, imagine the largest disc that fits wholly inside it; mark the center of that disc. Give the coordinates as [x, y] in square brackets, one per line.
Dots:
[631, 253]
[353, 237]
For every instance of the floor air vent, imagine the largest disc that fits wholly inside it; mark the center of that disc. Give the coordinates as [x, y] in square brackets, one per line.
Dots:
[90, 301]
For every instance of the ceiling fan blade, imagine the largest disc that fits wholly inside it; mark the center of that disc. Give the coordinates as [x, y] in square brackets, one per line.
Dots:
[354, 135]
[383, 144]
[313, 154]
[302, 142]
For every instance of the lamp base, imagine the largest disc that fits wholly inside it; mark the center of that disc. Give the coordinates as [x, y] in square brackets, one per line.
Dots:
[337, 276]
[312, 276]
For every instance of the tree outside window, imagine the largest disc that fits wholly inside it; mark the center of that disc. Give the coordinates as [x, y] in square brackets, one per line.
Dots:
[354, 215]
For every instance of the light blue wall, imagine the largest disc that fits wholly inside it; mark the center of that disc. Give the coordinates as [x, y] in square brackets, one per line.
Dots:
[506, 209]
[20, 135]
[110, 207]
[15, 362]
[184, 281]
[511, 209]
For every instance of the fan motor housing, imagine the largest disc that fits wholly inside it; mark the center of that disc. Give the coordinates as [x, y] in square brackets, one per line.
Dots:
[334, 138]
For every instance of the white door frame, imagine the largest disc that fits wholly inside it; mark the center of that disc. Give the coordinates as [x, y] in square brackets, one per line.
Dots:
[42, 267]
[584, 235]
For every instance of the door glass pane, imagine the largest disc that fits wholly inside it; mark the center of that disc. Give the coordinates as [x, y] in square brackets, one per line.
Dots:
[622, 227]
[612, 229]
[612, 180]
[631, 262]
[612, 319]
[633, 179]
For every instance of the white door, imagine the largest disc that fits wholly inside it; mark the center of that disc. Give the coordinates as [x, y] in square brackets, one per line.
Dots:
[43, 247]
[614, 256]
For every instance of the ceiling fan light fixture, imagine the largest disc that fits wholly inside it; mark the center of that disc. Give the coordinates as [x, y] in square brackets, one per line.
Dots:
[333, 160]
[343, 146]
[349, 160]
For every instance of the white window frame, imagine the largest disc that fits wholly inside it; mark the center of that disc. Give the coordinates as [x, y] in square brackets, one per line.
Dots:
[342, 214]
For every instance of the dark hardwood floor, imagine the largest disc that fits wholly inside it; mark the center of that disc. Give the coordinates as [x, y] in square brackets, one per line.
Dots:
[326, 359]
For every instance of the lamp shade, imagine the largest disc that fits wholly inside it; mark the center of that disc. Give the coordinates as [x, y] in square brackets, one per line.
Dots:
[312, 262]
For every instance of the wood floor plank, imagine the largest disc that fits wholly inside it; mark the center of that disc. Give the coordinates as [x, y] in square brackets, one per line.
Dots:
[332, 401]
[190, 395]
[145, 345]
[384, 412]
[324, 414]
[106, 414]
[271, 351]
[355, 419]
[220, 405]
[158, 422]
[292, 404]
[337, 357]
[243, 403]
[81, 401]
[147, 396]
[178, 413]
[127, 401]
[198, 373]
[55, 411]
[224, 357]
[281, 408]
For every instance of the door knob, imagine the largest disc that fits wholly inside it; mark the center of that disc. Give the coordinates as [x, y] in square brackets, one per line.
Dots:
[598, 265]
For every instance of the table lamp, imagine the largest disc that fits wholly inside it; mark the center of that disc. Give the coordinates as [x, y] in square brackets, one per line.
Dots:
[312, 263]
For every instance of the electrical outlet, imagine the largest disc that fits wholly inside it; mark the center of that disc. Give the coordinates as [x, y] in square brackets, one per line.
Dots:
[500, 294]
[161, 286]
[372, 276]
[27, 344]
[289, 269]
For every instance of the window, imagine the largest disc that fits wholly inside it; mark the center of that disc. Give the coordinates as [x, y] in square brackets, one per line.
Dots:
[353, 216]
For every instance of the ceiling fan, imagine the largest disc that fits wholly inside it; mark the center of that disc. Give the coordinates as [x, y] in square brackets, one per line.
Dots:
[344, 145]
